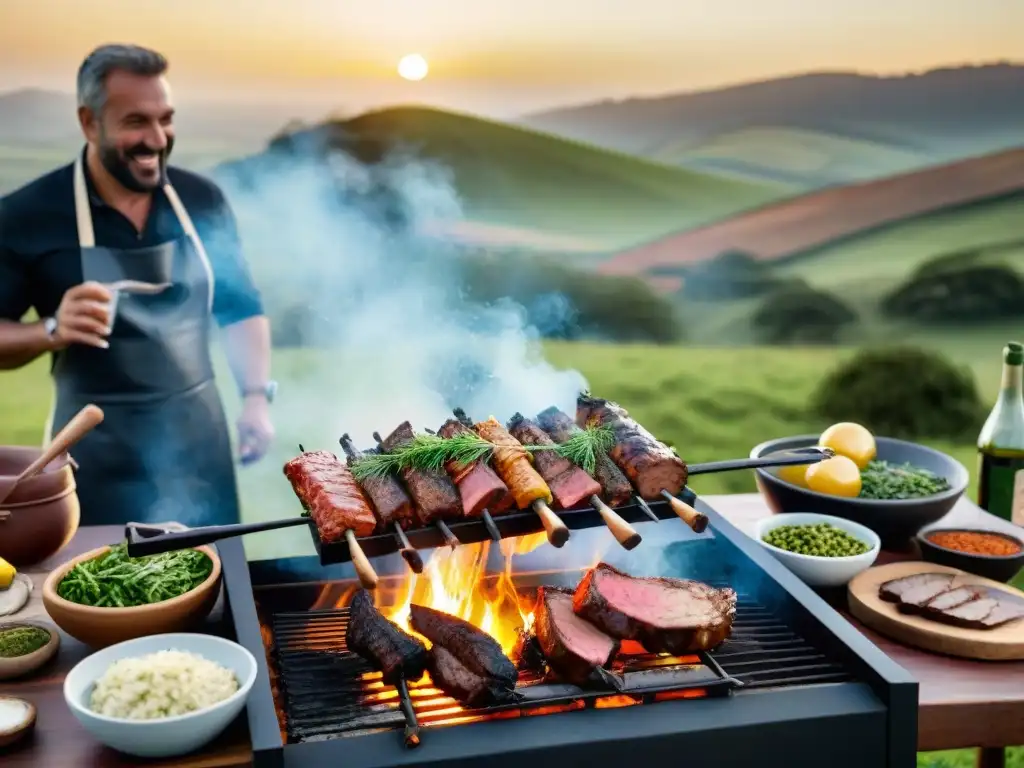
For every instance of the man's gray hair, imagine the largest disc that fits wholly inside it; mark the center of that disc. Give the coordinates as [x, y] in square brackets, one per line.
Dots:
[98, 65]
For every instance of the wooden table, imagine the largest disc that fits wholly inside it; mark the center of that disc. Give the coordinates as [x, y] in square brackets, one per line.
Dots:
[962, 703]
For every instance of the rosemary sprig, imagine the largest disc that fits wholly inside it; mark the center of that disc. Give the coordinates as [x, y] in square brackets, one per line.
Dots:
[431, 453]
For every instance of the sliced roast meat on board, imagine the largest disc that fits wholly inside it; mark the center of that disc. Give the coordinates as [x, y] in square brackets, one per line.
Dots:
[382, 643]
[892, 591]
[664, 615]
[648, 463]
[576, 650]
[934, 596]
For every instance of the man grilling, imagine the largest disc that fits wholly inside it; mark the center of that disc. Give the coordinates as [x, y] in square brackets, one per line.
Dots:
[127, 262]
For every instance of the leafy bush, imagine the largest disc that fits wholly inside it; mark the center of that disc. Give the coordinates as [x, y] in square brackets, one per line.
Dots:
[799, 314]
[729, 275]
[950, 290]
[905, 392]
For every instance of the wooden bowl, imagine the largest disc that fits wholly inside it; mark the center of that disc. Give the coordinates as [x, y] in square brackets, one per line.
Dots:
[12, 735]
[100, 627]
[36, 530]
[57, 476]
[20, 666]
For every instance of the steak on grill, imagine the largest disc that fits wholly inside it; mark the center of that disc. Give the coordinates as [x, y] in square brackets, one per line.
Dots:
[382, 643]
[575, 649]
[477, 651]
[615, 487]
[466, 687]
[664, 615]
[570, 486]
[648, 463]
[434, 493]
[479, 486]
[390, 501]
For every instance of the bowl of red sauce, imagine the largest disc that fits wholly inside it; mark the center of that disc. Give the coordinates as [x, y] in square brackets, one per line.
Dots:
[992, 554]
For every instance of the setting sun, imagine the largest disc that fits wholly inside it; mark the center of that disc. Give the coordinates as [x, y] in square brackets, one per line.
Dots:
[413, 67]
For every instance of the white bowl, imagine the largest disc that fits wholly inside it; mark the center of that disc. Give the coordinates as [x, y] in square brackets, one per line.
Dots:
[169, 736]
[821, 571]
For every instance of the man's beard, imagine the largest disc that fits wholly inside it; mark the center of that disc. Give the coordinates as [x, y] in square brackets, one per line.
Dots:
[118, 165]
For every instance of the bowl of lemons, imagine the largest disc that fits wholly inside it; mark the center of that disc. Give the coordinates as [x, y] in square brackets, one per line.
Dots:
[891, 486]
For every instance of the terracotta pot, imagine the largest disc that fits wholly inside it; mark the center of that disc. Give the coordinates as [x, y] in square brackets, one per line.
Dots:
[100, 627]
[57, 476]
[36, 530]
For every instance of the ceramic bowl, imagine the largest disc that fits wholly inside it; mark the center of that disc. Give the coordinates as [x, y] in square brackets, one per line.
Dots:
[168, 736]
[57, 476]
[100, 627]
[998, 568]
[22, 666]
[896, 521]
[11, 735]
[821, 571]
[34, 531]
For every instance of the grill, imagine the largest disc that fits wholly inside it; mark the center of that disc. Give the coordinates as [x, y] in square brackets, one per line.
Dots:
[793, 673]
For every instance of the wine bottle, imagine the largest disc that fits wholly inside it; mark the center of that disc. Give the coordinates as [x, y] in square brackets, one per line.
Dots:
[1001, 444]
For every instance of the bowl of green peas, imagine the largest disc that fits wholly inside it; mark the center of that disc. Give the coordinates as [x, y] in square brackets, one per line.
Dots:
[824, 551]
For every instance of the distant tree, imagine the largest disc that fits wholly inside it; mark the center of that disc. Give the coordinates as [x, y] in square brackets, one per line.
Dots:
[799, 314]
[732, 274]
[946, 293]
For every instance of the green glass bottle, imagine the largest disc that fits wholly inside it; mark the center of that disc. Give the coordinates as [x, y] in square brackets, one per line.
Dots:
[1001, 444]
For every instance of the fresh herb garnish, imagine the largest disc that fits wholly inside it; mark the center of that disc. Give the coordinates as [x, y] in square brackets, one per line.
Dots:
[21, 641]
[882, 480]
[432, 453]
[115, 580]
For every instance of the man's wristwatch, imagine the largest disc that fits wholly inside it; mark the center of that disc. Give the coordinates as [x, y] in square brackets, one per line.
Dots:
[50, 326]
[268, 390]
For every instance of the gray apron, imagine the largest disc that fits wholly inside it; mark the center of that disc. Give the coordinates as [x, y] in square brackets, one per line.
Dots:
[163, 451]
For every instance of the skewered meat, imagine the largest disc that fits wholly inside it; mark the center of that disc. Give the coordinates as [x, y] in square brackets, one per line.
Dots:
[514, 465]
[474, 649]
[390, 501]
[615, 487]
[649, 464]
[933, 596]
[569, 484]
[576, 650]
[335, 501]
[479, 486]
[381, 642]
[664, 615]
[434, 493]
[469, 688]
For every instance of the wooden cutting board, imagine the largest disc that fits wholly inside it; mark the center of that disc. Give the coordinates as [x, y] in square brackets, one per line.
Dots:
[1005, 643]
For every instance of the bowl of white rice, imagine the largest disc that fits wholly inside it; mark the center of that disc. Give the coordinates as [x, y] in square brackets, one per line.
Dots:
[162, 695]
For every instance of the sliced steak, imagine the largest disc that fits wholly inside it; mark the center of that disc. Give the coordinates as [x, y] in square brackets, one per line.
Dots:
[891, 591]
[665, 615]
[1003, 613]
[953, 598]
[476, 650]
[466, 687]
[575, 649]
[382, 643]
[970, 615]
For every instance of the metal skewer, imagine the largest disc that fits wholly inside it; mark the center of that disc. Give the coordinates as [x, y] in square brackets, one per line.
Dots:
[492, 529]
[412, 727]
[450, 538]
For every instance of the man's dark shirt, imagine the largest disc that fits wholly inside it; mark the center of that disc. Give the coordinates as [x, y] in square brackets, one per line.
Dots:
[40, 256]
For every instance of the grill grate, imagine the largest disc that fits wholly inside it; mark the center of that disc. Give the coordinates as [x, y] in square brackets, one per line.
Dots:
[327, 692]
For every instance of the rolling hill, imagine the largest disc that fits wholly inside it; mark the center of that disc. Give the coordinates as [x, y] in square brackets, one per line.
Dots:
[940, 115]
[517, 180]
[813, 221]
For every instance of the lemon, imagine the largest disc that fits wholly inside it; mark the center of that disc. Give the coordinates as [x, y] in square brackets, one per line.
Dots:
[7, 574]
[796, 474]
[838, 476]
[850, 440]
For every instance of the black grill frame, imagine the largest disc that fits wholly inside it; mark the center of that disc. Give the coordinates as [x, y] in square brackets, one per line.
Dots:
[811, 719]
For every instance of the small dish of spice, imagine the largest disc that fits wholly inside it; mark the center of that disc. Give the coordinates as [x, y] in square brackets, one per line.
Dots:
[24, 647]
[993, 554]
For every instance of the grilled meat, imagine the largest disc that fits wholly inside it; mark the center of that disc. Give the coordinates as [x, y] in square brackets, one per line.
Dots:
[468, 688]
[479, 486]
[514, 465]
[933, 596]
[382, 643]
[665, 615]
[575, 649]
[390, 501]
[335, 501]
[615, 487]
[434, 493]
[477, 651]
[649, 464]
[570, 486]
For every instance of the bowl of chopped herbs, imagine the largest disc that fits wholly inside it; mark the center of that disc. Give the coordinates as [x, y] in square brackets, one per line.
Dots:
[25, 646]
[902, 489]
[105, 597]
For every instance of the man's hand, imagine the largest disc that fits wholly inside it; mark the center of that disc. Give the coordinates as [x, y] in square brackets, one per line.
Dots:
[83, 316]
[255, 430]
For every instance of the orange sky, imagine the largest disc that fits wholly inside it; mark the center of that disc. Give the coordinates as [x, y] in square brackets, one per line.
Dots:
[499, 57]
